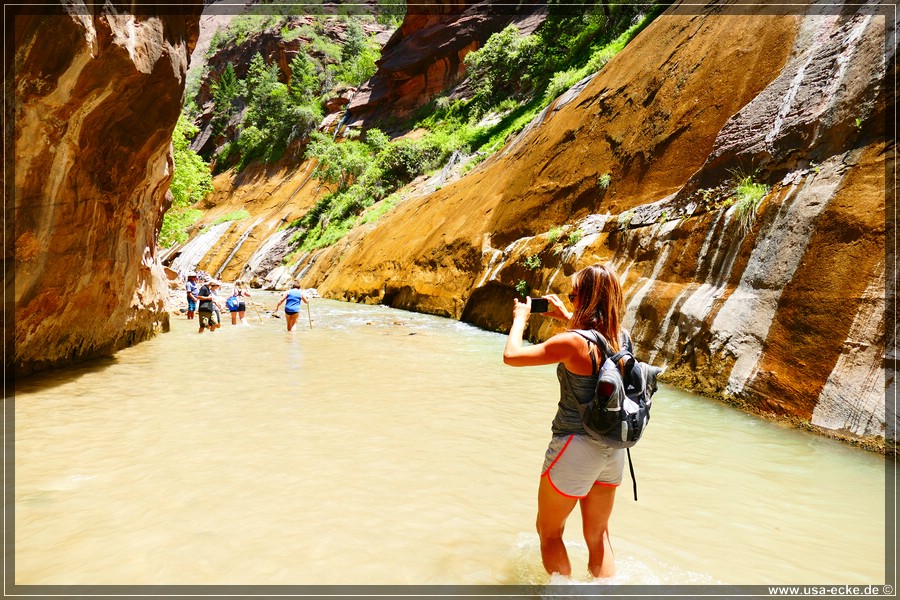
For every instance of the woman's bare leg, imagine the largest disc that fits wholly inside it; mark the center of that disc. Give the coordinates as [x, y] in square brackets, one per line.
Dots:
[596, 508]
[291, 320]
[553, 510]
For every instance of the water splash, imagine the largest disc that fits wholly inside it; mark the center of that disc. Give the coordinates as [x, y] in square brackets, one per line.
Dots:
[634, 566]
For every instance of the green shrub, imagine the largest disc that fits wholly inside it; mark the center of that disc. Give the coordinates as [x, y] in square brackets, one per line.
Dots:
[500, 67]
[532, 262]
[175, 225]
[339, 163]
[560, 82]
[390, 12]
[604, 180]
[575, 237]
[241, 28]
[523, 288]
[554, 234]
[380, 209]
[191, 180]
[748, 195]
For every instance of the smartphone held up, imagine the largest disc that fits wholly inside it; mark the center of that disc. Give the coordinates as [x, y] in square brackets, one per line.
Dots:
[540, 305]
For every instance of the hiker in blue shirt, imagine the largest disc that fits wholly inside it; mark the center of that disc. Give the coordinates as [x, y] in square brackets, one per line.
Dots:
[192, 290]
[578, 469]
[292, 299]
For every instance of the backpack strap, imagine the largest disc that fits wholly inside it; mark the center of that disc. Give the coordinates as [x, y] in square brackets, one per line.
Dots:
[599, 339]
[626, 338]
[594, 337]
[631, 469]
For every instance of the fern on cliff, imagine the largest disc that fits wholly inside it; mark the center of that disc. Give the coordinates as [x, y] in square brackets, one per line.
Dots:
[748, 194]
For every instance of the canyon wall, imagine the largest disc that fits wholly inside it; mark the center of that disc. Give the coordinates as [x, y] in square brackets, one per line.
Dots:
[424, 57]
[94, 99]
[778, 308]
[781, 312]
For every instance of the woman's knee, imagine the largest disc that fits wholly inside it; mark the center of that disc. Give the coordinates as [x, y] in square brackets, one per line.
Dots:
[550, 529]
[595, 535]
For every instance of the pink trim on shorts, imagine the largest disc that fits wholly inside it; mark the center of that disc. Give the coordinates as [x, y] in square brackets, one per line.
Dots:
[606, 484]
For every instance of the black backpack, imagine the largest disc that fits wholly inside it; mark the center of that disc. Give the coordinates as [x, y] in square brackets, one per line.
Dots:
[619, 412]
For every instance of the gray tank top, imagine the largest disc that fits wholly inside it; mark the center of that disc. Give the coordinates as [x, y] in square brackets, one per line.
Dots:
[573, 389]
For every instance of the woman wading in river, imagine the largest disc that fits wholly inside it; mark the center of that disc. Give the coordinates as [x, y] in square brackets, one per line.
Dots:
[292, 301]
[577, 468]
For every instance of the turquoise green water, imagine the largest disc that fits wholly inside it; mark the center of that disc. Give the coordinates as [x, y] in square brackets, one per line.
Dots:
[386, 447]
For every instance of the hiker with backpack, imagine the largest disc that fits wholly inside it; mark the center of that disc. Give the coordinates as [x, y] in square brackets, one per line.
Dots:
[579, 467]
[236, 304]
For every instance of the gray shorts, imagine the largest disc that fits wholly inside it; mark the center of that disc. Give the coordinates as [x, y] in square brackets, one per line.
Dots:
[574, 463]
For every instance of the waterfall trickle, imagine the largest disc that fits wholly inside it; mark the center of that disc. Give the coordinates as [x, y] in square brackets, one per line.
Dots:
[194, 251]
[237, 247]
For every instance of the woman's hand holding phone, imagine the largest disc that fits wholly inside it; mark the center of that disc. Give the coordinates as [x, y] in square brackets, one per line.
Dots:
[557, 309]
[540, 305]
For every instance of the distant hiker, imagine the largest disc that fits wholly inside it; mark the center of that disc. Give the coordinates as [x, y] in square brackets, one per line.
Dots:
[292, 299]
[208, 309]
[214, 287]
[192, 290]
[577, 468]
[236, 303]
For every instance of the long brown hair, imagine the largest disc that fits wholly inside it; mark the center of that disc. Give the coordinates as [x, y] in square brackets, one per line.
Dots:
[598, 302]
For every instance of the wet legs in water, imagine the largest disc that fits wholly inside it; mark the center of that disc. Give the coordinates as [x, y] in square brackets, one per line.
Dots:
[554, 509]
[291, 319]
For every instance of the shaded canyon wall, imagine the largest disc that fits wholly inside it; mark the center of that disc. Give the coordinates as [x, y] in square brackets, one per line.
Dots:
[96, 95]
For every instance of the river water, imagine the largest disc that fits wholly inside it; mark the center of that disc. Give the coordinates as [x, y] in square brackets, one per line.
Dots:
[386, 447]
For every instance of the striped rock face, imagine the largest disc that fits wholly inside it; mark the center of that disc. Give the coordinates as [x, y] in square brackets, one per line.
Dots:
[96, 97]
[780, 311]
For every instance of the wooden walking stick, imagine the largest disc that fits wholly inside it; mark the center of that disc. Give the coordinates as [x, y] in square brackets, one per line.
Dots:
[308, 313]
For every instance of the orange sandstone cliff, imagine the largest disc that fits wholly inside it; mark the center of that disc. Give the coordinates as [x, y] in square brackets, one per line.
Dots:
[781, 312]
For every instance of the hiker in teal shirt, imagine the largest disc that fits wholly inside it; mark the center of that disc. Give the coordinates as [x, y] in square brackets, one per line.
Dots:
[292, 299]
